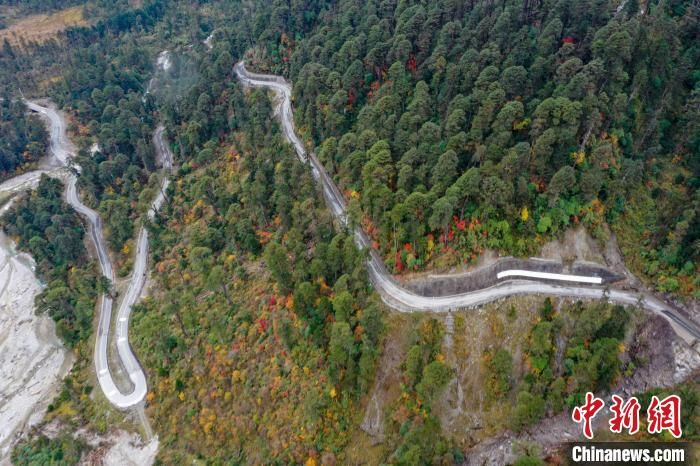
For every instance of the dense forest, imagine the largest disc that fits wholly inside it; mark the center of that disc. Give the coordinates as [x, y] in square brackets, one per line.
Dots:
[452, 128]
[566, 352]
[52, 232]
[103, 83]
[60, 451]
[455, 127]
[22, 137]
[288, 348]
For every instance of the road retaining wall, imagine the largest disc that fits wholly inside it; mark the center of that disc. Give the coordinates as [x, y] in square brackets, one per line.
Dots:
[446, 285]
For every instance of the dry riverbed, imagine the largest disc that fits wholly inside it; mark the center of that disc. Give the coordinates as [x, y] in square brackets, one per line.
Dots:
[33, 361]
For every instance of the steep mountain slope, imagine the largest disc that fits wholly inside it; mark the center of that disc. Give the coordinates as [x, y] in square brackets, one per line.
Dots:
[456, 127]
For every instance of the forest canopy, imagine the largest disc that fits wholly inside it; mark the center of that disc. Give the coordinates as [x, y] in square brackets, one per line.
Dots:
[23, 137]
[451, 127]
[53, 233]
[460, 126]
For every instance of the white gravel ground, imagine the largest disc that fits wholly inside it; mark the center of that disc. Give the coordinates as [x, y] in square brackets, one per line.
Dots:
[117, 448]
[32, 359]
[128, 449]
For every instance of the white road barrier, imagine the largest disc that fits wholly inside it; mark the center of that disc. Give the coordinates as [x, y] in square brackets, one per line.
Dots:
[549, 276]
[400, 298]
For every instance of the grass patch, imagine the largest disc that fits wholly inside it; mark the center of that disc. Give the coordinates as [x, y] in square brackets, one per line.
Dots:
[42, 27]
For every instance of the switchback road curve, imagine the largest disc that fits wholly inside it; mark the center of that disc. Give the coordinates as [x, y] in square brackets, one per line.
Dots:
[61, 149]
[397, 296]
[138, 280]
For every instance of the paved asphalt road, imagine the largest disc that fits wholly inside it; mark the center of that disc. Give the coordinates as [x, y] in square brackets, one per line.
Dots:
[391, 292]
[62, 150]
[402, 299]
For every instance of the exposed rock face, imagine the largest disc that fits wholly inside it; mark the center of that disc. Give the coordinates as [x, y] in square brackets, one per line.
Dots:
[485, 276]
[120, 448]
[653, 347]
[548, 435]
[664, 360]
[373, 422]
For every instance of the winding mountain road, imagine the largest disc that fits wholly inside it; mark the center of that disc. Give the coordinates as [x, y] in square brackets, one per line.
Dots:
[392, 292]
[398, 297]
[138, 280]
[62, 151]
